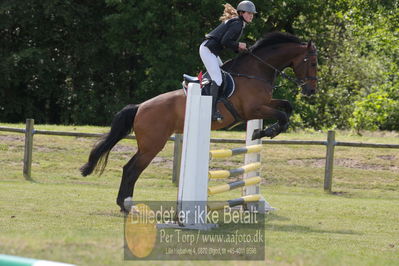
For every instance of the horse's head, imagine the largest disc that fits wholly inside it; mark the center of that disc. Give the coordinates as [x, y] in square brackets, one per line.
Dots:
[305, 69]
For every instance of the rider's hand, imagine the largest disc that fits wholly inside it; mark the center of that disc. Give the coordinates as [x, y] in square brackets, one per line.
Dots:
[242, 46]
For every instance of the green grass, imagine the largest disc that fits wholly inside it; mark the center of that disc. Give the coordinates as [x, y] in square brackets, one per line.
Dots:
[62, 216]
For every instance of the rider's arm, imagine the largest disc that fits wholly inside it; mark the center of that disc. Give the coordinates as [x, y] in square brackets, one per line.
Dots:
[229, 39]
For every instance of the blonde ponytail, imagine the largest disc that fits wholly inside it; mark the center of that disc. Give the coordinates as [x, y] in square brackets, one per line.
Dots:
[228, 13]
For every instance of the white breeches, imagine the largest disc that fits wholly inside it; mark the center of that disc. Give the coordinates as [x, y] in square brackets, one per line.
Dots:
[212, 63]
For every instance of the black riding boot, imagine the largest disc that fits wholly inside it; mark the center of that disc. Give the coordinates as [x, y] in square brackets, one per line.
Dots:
[216, 115]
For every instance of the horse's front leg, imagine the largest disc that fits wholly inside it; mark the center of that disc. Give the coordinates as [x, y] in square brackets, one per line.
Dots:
[278, 127]
[267, 112]
[282, 105]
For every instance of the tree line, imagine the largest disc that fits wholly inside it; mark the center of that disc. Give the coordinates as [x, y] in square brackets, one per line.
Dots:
[79, 62]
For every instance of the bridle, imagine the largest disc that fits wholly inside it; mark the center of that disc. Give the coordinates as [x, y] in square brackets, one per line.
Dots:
[298, 82]
[277, 72]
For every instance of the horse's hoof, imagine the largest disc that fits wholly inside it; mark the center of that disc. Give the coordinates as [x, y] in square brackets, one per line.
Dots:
[272, 131]
[123, 211]
[128, 204]
[256, 134]
[217, 116]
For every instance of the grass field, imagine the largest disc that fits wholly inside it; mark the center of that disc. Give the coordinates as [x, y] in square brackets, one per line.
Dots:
[62, 216]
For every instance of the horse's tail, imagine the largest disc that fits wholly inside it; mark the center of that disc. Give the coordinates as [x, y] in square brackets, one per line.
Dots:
[120, 128]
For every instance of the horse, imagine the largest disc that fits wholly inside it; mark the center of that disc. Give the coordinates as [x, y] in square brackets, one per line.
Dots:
[254, 72]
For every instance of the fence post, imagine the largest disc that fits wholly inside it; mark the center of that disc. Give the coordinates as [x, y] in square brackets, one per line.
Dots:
[329, 161]
[28, 148]
[177, 158]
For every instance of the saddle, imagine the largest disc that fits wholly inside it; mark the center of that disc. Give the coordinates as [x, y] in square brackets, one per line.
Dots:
[226, 89]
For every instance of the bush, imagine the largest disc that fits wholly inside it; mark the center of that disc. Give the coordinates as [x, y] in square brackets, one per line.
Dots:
[378, 110]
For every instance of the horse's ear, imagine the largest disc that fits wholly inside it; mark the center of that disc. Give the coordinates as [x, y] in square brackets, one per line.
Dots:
[310, 43]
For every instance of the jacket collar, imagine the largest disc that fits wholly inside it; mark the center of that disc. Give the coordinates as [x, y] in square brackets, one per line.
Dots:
[243, 20]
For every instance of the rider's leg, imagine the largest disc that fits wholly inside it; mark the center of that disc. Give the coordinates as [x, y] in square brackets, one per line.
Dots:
[214, 90]
[211, 63]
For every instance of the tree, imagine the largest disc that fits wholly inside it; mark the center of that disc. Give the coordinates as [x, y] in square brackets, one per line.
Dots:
[82, 61]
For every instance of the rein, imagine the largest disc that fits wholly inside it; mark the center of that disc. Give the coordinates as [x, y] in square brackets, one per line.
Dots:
[298, 82]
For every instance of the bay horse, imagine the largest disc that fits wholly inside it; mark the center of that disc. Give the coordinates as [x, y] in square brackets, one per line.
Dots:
[254, 71]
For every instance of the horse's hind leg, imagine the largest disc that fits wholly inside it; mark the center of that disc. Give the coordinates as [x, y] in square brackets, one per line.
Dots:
[148, 147]
[129, 178]
[155, 121]
[131, 172]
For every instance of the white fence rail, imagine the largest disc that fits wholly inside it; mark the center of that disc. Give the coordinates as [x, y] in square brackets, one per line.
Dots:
[330, 144]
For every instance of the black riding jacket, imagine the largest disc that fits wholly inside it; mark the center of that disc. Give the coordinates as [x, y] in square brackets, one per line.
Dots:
[226, 35]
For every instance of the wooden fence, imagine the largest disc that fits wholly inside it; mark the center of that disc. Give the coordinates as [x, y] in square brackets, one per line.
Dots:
[330, 144]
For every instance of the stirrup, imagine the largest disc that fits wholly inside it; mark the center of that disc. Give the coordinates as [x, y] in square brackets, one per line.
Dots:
[217, 116]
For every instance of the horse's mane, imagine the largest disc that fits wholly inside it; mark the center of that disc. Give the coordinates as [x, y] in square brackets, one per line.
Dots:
[274, 38]
[269, 39]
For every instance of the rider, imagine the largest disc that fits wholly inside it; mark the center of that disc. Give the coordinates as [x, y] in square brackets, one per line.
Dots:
[226, 35]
